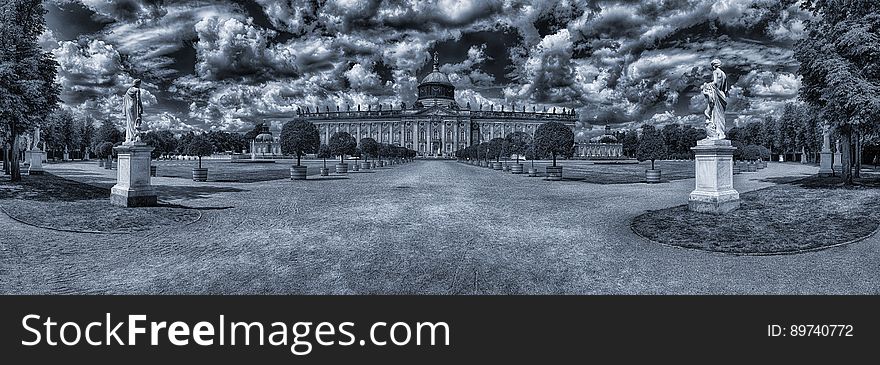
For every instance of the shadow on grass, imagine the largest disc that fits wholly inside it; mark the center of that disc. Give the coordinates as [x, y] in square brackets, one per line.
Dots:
[816, 182]
[49, 187]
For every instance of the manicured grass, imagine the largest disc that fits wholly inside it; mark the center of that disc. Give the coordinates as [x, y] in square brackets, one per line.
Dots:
[227, 171]
[61, 204]
[608, 173]
[796, 215]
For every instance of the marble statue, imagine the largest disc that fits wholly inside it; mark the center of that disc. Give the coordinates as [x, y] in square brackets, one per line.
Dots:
[36, 139]
[133, 108]
[716, 96]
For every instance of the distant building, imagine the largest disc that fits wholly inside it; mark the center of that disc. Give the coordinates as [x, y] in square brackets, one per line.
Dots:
[265, 145]
[605, 146]
[435, 125]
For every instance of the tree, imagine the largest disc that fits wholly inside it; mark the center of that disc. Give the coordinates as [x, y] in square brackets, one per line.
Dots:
[324, 152]
[651, 145]
[517, 143]
[200, 146]
[496, 147]
[28, 91]
[87, 133]
[299, 138]
[555, 139]
[104, 150]
[341, 144]
[163, 143]
[108, 132]
[385, 149]
[630, 143]
[751, 152]
[738, 152]
[841, 68]
[369, 147]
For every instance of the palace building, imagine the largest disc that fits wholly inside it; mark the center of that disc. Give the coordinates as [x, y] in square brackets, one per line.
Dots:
[435, 125]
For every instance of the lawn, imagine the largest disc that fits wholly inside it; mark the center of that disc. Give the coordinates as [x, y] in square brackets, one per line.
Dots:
[227, 171]
[52, 202]
[798, 214]
[616, 173]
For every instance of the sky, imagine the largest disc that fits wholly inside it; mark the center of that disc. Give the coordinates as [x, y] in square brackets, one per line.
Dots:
[226, 65]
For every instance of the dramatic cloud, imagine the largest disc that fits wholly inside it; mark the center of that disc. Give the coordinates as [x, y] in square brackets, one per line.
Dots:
[214, 64]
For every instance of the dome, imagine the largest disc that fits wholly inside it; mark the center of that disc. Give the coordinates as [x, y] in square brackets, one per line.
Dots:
[265, 137]
[436, 77]
[435, 89]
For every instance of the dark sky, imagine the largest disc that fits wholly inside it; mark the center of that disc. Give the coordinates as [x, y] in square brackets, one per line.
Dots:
[226, 64]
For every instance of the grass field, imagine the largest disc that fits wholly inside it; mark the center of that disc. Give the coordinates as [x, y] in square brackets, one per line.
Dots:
[798, 214]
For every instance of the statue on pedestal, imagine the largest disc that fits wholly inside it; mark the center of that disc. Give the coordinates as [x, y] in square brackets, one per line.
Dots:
[716, 96]
[133, 108]
[36, 140]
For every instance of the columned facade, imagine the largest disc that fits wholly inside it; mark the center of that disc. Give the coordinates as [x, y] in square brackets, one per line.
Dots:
[435, 125]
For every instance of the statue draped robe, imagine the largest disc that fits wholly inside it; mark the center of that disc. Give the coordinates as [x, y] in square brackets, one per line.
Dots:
[716, 96]
[132, 107]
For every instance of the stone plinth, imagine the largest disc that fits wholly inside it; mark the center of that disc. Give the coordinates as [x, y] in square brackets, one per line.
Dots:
[36, 158]
[133, 187]
[825, 168]
[838, 162]
[714, 192]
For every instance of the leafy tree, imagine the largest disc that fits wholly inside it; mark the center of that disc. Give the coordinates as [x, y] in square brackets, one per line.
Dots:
[554, 139]
[324, 152]
[841, 69]
[108, 132]
[299, 138]
[483, 151]
[496, 148]
[163, 142]
[28, 91]
[651, 145]
[738, 152]
[369, 147]
[200, 146]
[386, 150]
[764, 152]
[517, 143]
[751, 153]
[341, 144]
[104, 150]
[630, 143]
[87, 133]
[185, 140]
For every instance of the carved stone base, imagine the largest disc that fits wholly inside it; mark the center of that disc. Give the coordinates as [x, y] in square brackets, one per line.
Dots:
[36, 159]
[714, 192]
[838, 163]
[825, 168]
[133, 188]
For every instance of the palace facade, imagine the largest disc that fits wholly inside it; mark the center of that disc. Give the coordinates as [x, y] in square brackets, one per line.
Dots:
[435, 125]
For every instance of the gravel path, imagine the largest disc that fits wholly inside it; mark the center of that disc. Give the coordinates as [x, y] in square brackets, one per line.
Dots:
[429, 227]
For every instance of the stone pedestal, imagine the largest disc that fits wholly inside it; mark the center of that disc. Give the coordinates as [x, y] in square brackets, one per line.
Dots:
[714, 192]
[36, 158]
[133, 187]
[825, 168]
[838, 163]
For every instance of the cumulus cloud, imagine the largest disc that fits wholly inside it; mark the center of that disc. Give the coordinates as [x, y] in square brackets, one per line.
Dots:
[215, 64]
